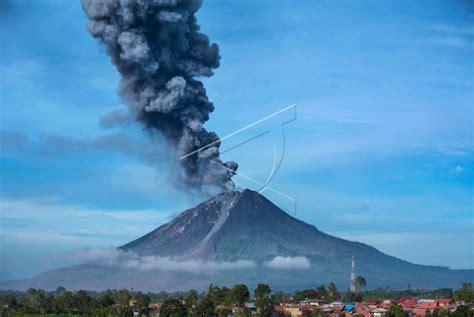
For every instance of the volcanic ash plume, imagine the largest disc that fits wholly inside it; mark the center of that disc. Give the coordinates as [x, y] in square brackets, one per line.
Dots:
[158, 50]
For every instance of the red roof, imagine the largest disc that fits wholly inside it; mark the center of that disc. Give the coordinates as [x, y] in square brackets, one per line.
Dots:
[309, 308]
[418, 312]
[154, 305]
[408, 302]
[280, 308]
[371, 302]
[363, 311]
[427, 305]
[443, 301]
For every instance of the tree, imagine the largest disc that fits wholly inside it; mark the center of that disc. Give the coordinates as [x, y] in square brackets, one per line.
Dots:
[60, 290]
[262, 291]
[9, 301]
[225, 296]
[240, 294]
[360, 283]
[82, 301]
[105, 300]
[191, 299]
[217, 294]
[223, 311]
[65, 302]
[207, 307]
[172, 308]
[281, 297]
[461, 311]
[122, 297]
[353, 297]
[396, 311]
[263, 302]
[333, 293]
[143, 301]
[465, 293]
[306, 293]
[321, 291]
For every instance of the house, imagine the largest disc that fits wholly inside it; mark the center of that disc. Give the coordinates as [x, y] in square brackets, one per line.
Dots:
[250, 304]
[378, 312]
[154, 309]
[311, 301]
[407, 303]
[363, 311]
[442, 302]
[308, 308]
[371, 302]
[294, 311]
[427, 305]
[387, 303]
[423, 307]
[349, 307]
[424, 300]
[136, 311]
[280, 309]
[289, 309]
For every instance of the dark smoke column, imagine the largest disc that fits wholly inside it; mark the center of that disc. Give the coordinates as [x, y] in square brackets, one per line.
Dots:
[158, 50]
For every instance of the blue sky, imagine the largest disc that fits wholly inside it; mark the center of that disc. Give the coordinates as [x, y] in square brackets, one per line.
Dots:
[381, 152]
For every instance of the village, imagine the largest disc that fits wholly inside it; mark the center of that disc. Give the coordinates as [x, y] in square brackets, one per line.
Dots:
[410, 307]
[370, 308]
[239, 301]
[461, 303]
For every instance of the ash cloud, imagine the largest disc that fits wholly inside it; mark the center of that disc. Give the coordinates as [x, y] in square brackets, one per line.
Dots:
[131, 261]
[159, 53]
[289, 263]
[56, 146]
[116, 118]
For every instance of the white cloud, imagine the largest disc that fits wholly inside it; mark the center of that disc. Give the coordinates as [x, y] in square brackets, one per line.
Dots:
[95, 255]
[288, 263]
[48, 220]
[51, 207]
[421, 247]
[385, 239]
[454, 29]
[130, 260]
[451, 41]
[458, 169]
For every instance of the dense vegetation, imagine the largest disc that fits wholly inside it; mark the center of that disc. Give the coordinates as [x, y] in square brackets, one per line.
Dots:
[217, 301]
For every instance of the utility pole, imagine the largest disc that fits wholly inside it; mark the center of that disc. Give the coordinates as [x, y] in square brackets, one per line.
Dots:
[353, 279]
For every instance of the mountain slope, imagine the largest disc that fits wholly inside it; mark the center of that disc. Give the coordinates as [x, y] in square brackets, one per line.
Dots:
[244, 225]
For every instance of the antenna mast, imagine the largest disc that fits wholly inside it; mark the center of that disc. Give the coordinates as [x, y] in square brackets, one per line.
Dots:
[353, 279]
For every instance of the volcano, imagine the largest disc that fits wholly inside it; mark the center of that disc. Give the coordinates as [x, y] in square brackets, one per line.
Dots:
[237, 226]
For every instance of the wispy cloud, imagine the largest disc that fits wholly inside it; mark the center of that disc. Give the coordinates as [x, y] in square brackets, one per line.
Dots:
[457, 170]
[289, 263]
[46, 146]
[455, 36]
[422, 246]
[50, 207]
[50, 221]
[453, 29]
[451, 41]
[130, 260]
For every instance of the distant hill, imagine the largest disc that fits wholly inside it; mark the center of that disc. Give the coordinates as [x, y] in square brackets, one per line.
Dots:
[244, 225]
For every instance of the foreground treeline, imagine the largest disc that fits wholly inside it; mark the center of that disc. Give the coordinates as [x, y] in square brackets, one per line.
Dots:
[216, 301]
